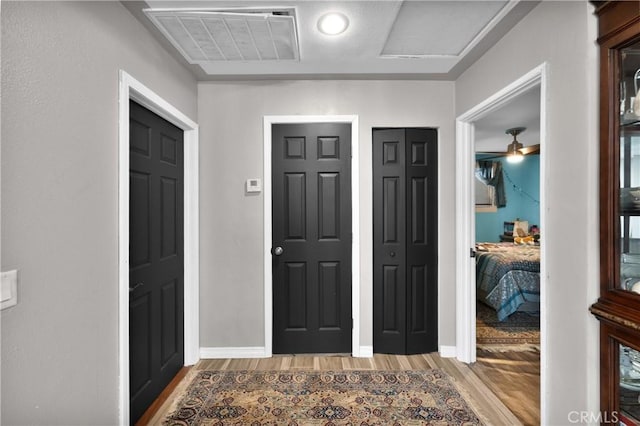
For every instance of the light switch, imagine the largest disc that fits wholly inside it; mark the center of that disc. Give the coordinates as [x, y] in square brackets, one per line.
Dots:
[254, 185]
[8, 289]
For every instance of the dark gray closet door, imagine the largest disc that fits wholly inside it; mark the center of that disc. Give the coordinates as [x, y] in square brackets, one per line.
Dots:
[405, 240]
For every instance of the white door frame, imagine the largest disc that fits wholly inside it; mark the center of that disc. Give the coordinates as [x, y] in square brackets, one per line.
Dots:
[132, 89]
[269, 120]
[465, 217]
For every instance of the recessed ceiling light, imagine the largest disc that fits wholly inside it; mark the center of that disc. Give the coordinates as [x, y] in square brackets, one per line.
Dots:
[333, 23]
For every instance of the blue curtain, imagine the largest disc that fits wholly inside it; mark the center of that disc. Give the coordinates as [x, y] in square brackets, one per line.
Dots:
[490, 172]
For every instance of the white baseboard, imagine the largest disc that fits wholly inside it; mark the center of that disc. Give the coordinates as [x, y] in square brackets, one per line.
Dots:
[365, 352]
[259, 352]
[447, 351]
[239, 352]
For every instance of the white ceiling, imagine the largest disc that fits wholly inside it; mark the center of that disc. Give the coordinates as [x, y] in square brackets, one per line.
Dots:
[390, 39]
[424, 39]
[523, 111]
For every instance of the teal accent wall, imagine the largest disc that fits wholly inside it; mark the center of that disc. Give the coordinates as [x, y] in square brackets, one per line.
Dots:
[525, 175]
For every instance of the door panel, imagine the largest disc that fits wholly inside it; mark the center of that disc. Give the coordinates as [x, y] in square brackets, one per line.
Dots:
[389, 236]
[139, 250]
[296, 295]
[156, 305]
[295, 193]
[405, 240]
[311, 178]
[422, 241]
[392, 306]
[329, 295]
[391, 210]
[329, 206]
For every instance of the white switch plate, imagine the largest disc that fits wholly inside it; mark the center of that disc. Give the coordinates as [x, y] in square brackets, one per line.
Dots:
[8, 289]
[254, 185]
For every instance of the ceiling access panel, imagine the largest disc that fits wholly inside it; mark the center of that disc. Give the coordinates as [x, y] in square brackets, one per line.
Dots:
[208, 36]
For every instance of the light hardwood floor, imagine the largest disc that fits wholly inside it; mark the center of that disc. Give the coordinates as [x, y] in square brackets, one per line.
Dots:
[469, 382]
[515, 379]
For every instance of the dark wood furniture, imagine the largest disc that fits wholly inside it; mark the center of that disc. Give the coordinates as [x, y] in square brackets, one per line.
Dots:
[618, 308]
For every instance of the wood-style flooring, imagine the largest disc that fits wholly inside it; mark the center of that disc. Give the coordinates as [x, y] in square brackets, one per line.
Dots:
[515, 379]
[470, 380]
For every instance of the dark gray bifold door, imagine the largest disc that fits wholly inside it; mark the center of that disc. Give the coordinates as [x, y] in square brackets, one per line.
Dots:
[405, 258]
[156, 295]
[311, 179]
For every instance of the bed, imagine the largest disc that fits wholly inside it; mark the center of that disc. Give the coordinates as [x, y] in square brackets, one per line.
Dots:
[508, 277]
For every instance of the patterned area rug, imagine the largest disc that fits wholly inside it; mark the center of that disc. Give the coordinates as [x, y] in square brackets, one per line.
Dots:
[520, 328]
[363, 398]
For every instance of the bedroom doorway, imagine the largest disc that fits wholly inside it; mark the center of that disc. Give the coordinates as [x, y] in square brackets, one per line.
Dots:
[507, 243]
[521, 104]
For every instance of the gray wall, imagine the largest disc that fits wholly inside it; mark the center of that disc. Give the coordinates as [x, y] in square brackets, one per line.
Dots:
[231, 223]
[59, 182]
[563, 35]
[60, 65]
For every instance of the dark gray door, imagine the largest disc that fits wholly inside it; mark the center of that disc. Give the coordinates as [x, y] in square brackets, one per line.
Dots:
[405, 237]
[156, 305]
[311, 178]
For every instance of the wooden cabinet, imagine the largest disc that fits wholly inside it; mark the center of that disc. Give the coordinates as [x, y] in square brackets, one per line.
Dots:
[618, 308]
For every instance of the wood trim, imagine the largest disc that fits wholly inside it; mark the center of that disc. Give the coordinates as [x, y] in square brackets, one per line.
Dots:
[615, 17]
[618, 311]
[609, 134]
[613, 317]
[162, 398]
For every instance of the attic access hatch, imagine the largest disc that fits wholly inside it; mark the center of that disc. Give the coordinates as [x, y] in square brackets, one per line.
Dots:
[205, 36]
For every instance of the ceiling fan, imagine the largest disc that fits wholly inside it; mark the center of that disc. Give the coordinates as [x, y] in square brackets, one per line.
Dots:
[515, 151]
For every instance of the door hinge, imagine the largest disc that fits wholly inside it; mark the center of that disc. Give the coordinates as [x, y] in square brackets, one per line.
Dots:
[472, 252]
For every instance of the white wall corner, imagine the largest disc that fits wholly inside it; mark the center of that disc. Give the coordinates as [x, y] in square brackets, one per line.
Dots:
[447, 351]
[234, 352]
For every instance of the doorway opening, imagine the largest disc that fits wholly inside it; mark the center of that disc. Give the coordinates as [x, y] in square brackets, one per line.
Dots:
[466, 291]
[133, 90]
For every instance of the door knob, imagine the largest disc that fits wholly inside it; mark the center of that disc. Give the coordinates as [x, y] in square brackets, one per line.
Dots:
[277, 251]
[131, 289]
[392, 254]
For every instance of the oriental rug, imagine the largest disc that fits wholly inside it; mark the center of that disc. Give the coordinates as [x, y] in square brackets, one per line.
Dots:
[363, 398]
[520, 329]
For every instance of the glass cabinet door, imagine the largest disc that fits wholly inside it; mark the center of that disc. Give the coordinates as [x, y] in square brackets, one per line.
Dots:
[629, 386]
[629, 131]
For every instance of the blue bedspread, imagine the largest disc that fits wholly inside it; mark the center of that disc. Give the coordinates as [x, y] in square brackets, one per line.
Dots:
[507, 275]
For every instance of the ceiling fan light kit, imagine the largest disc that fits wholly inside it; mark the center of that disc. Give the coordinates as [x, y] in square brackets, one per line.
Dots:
[514, 155]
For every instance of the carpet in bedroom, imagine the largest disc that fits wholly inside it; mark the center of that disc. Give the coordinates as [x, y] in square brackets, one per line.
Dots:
[520, 329]
[322, 398]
